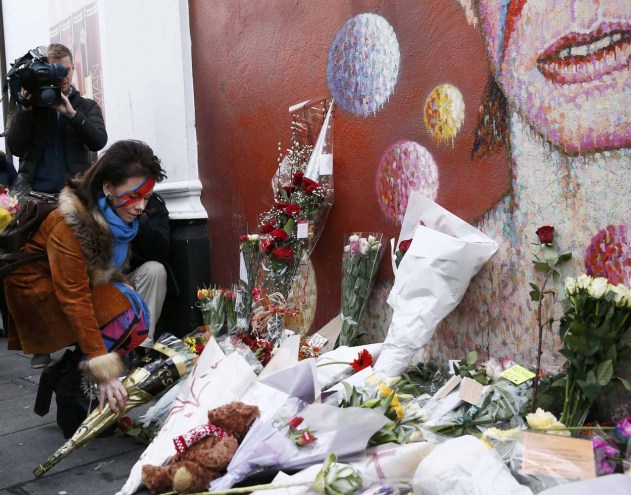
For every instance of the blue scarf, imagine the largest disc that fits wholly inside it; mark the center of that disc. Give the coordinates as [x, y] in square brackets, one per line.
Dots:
[138, 306]
[123, 232]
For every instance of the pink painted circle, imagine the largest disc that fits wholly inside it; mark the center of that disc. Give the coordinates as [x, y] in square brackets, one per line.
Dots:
[609, 255]
[406, 166]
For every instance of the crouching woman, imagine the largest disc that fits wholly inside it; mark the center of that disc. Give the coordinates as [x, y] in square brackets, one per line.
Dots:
[78, 293]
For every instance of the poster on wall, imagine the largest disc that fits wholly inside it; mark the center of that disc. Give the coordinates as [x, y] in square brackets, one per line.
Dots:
[76, 25]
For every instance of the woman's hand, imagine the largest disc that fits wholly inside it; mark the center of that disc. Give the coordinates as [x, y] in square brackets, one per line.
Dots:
[115, 393]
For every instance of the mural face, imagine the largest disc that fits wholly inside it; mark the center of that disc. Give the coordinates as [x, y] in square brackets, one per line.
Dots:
[564, 66]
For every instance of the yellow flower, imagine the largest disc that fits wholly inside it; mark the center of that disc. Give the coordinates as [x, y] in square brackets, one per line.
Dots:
[543, 420]
[396, 406]
[202, 293]
[5, 219]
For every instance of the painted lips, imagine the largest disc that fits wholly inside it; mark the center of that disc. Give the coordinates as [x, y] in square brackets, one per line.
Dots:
[577, 58]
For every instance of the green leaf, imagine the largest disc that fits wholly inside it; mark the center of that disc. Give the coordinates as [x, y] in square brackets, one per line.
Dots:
[559, 383]
[535, 295]
[289, 226]
[542, 267]
[625, 340]
[604, 373]
[472, 358]
[590, 390]
[626, 384]
[564, 257]
[534, 287]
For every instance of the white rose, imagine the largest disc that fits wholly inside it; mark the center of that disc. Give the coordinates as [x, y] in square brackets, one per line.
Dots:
[540, 420]
[570, 286]
[353, 238]
[347, 248]
[371, 239]
[583, 281]
[493, 368]
[253, 237]
[363, 246]
[598, 288]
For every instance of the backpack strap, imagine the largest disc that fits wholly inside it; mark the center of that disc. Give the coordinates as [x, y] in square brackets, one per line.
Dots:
[10, 261]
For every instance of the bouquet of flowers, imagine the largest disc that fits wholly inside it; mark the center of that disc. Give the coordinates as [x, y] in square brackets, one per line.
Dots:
[595, 332]
[612, 451]
[303, 195]
[212, 303]
[360, 262]
[249, 261]
[9, 206]
[166, 362]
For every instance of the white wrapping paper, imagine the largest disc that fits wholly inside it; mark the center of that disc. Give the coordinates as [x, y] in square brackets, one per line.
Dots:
[215, 380]
[445, 253]
[464, 466]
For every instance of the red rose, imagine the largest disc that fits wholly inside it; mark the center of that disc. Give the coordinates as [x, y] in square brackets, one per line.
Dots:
[267, 227]
[292, 210]
[297, 180]
[545, 234]
[284, 254]
[279, 235]
[125, 423]
[309, 185]
[267, 245]
[364, 359]
[243, 238]
[280, 206]
[404, 246]
[288, 190]
[199, 348]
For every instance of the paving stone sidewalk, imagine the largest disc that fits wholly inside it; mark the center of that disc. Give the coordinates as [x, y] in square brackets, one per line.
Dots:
[26, 440]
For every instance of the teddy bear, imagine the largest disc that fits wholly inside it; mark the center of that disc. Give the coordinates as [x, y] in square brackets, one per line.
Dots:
[203, 453]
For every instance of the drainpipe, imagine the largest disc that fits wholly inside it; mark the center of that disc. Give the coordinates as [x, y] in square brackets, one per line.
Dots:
[3, 72]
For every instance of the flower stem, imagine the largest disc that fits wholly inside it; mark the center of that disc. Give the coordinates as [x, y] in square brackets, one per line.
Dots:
[535, 383]
[333, 362]
[248, 489]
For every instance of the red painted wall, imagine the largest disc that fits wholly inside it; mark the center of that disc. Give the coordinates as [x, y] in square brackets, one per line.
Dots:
[253, 59]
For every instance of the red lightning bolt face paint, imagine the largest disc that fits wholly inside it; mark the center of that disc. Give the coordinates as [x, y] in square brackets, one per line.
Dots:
[137, 194]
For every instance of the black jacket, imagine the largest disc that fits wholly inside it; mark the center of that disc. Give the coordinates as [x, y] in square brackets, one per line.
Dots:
[84, 134]
[153, 240]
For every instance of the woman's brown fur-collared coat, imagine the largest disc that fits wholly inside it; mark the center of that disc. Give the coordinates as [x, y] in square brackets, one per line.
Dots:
[65, 299]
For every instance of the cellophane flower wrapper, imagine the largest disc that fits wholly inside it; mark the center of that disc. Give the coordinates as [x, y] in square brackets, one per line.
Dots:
[213, 308]
[214, 381]
[360, 263]
[232, 343]
[433, 276]
[249, 263]
[165, 363]
[9, 206]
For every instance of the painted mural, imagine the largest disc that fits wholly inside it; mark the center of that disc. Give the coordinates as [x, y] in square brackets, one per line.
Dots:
[512, 114]
[76, 25]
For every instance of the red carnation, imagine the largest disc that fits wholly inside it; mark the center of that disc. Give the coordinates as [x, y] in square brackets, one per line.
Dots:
[284, 254]
[545, 234]
[267, 245]
[279, 235]
[267, 227]
[364, 359]
[297, 180]
[295, 422]
[292, 209]
[404, 246]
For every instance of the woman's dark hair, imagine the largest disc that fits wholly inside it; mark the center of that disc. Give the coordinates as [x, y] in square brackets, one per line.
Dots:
[124, 159]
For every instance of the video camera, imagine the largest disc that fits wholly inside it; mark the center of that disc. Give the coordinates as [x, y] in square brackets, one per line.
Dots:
[33, 73]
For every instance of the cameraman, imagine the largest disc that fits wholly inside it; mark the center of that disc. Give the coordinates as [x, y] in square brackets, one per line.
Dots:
[55, 142]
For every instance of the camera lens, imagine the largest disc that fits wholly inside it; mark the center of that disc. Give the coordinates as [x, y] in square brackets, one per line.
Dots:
[49, 97]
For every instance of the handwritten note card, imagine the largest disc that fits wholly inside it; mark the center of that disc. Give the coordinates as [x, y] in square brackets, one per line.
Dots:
[563, 457]
[517, 374]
